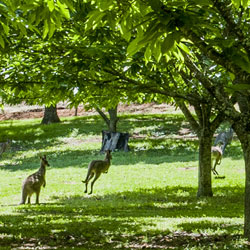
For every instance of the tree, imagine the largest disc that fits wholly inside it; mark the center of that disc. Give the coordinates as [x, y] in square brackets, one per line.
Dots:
[218, 29]
[50, 115]
[56, 77]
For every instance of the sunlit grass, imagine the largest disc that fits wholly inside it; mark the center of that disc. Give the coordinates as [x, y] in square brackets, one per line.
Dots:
[148, 198]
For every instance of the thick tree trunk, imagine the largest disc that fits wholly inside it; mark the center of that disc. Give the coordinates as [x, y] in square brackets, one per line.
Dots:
[205, 131]
[114, 141]
[50, 115]
[204, 178]
[244, 137]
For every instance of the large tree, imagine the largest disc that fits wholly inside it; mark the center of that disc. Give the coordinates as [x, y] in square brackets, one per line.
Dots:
[218, 29]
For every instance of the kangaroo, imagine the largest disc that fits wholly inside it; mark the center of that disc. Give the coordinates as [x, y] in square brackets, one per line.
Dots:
[32, 184]
[216, 155]
[4, 146]
[96, 168]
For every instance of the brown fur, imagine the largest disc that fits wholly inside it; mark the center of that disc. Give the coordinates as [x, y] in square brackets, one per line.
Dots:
[96, 168]
[33, 183]
[4, 146]
[216, 155]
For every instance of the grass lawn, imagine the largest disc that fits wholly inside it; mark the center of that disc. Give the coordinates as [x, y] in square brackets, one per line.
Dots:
[146, 201]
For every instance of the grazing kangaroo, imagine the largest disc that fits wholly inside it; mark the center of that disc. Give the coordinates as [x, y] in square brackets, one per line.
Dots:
[96, 168]
[33, 183]
[216, 155]
[4, 146]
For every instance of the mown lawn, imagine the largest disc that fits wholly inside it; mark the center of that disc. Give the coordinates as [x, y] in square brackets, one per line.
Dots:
[146, 201]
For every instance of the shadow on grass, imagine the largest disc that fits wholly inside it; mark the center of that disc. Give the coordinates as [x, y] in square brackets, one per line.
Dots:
[82, 158]
[128, 220]
[170, 202]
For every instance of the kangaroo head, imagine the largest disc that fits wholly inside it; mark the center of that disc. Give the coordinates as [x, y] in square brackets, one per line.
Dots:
[44, 161]
[108, 154]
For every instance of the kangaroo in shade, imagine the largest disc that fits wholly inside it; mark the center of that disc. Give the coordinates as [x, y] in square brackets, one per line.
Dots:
[4, 146]
[221, 141]
[96, 168]
[33, 183]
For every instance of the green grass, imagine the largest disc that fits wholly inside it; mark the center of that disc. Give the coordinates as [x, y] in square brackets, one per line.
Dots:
[147, 200]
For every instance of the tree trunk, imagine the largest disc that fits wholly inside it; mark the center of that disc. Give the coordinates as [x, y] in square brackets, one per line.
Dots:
[205, 131]
[50, 115]
[242, 132]
[114, 141]
[246, 150]
[112, 120]
[204, 173]
[76, 110]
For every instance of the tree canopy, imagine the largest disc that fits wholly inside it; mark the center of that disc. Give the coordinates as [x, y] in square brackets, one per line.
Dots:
[193, 52]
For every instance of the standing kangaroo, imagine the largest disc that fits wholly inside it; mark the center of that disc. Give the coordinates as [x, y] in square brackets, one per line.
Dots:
[4, 146]
[96, 168]
[33, 183]
[216, 155]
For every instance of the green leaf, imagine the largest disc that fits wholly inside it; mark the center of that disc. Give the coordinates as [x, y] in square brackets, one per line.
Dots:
[245, 3]
[155, 5]
[242, 61]
[2, 42]
[6, 28]
[152, 30]
[133, 47]
[168, 43]
[94, 17]
[125, 30]
[64, 9]
[105, 4]
[51, 5]
[236, 3]
[156, 50]
[45, 29]
[184, 47]
[147, 54]
[52, 28]
[237, 87]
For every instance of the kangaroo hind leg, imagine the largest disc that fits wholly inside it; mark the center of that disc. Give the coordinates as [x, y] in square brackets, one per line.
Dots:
[88, 178]
[37, 196]
[97, 175]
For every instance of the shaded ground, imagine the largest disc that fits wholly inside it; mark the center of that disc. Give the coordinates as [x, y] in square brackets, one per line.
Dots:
[20, 112]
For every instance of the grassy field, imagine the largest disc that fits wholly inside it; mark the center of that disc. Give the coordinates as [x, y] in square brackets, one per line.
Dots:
[146, 201]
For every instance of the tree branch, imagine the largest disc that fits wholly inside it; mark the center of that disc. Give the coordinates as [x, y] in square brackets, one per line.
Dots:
[188, 115]
[233, 28]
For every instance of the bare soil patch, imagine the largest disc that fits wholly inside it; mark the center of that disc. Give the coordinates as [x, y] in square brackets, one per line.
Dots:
[20, 112]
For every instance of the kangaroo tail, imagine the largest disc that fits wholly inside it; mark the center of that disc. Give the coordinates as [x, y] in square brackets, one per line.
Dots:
[24, 196]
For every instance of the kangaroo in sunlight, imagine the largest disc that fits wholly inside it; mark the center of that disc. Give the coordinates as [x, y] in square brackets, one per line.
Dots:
[33, 183]
[96, 168]
[216, 155]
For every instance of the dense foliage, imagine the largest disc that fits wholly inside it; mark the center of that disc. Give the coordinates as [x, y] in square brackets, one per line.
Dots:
[102, 52]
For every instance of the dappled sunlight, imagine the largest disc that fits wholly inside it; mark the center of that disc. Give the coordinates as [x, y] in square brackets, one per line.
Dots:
[147, 198]
[153, 216]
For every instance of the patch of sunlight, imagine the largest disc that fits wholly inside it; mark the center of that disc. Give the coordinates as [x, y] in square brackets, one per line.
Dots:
[208, 225]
